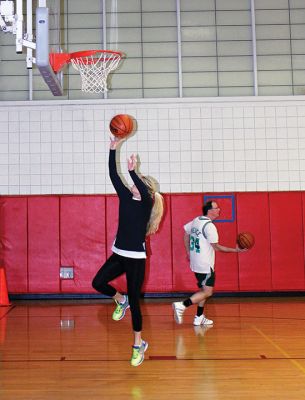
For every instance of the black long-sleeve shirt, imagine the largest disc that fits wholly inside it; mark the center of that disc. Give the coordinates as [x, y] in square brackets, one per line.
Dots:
[133, 214]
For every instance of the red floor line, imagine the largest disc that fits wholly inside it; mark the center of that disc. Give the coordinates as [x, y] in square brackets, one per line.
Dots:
[157, 358]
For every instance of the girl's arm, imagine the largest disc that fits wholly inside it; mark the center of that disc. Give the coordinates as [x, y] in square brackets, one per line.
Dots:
[142, 188]
[118, 185]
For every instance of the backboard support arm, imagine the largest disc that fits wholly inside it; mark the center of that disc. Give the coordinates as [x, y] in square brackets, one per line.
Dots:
[11, 22]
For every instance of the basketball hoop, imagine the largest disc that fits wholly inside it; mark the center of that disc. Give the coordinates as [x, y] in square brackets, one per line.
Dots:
[94, 67]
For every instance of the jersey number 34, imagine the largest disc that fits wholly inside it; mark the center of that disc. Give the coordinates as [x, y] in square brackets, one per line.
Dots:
[194, 244]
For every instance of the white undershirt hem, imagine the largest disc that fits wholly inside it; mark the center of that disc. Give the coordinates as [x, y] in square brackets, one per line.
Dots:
[128, 253]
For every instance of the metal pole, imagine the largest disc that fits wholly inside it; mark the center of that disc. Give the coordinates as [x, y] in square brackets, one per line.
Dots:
[104, 21]
[104, 25]
[254, 55]
[29, 51]
[30, 80]
[19, 26]
[179, 48]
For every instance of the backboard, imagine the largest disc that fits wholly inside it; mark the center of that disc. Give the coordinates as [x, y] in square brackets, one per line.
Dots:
[48, 40]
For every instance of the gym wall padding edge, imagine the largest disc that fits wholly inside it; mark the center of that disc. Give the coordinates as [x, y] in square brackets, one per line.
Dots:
[14, 242]
[39, 234]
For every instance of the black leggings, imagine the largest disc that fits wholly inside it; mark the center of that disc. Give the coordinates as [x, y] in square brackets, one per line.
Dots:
[134, 268]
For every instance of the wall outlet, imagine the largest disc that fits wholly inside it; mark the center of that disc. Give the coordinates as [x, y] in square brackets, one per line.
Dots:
[66, 273]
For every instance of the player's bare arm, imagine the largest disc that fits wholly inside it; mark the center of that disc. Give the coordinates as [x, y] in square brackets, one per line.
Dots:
[225, 249]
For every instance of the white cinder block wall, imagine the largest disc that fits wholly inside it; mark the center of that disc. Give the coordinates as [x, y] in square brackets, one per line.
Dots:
[188, 145]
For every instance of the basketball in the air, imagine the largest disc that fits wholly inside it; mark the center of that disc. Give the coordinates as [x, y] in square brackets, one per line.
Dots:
[121, 125]
[245, 240]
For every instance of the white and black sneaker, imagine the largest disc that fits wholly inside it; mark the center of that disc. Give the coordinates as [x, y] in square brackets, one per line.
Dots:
[202, 320]
[179, 309]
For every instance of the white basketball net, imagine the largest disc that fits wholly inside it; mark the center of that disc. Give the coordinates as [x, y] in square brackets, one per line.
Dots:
[94, 70]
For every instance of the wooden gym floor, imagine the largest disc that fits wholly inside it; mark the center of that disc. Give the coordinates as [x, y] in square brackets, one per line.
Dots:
[64, 350]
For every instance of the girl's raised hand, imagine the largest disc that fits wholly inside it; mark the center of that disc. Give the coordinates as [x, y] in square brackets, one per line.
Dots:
[132, 162]
[115, 142]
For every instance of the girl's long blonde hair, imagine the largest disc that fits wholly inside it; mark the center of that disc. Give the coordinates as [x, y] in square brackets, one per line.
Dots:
[158, 206]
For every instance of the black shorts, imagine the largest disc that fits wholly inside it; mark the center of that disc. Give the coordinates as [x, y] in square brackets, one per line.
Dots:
[205, 279]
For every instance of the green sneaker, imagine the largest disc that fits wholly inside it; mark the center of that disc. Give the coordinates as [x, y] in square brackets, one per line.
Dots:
[138, 354]
[120, 310]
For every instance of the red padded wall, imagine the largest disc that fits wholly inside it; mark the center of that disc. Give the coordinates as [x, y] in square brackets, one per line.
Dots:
[226, 266]
[159, 274]
[40, 233]
[303, 220]
[252, 210]
[43, 244]
[83, 238]
[287, 240]
[13, 231]
[184, 208]
[112, 212]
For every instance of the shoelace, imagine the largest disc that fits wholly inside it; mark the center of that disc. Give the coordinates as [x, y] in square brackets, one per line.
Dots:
[120, 305]
[136, 352]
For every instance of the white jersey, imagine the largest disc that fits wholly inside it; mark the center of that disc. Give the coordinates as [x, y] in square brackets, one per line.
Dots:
[202, 255]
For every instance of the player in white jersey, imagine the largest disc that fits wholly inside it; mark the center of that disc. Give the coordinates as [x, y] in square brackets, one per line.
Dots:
[199, 236]
[201, 242]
